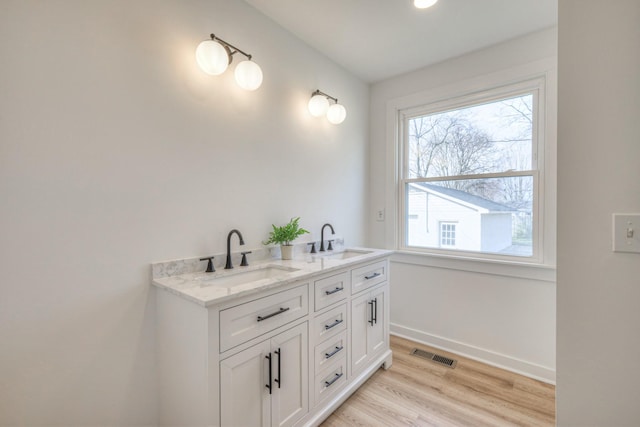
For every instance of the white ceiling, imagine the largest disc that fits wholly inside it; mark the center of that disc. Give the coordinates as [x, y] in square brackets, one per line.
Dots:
[377, 39]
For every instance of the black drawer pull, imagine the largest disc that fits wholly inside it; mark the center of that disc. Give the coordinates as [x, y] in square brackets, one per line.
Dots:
[334, 291]
[374, 275]
[282, 310]
[330, 383]
[333, 353]
[333, 325]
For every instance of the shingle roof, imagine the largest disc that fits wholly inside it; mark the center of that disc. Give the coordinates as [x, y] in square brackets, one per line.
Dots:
[468, 198]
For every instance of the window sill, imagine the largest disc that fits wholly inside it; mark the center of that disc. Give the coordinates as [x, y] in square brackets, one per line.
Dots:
[521, 270]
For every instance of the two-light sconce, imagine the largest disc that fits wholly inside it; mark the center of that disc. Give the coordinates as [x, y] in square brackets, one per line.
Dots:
[215, 55]
[319, 106]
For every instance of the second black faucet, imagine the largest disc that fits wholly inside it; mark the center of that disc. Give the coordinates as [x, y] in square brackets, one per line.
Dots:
[322, 236]
[229, 265]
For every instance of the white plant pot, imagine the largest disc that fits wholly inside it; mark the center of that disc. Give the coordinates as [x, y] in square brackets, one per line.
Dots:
[286, 251]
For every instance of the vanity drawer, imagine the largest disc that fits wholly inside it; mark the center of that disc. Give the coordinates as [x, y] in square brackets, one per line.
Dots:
[367, 276]
[331, 289]
[329, 351]
[330, 323]
[246, 321]
[330, 380]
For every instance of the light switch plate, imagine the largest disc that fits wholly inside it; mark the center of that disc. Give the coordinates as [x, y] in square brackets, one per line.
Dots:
[626, 233]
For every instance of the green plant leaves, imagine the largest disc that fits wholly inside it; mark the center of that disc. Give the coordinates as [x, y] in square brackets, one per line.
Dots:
[286, 234]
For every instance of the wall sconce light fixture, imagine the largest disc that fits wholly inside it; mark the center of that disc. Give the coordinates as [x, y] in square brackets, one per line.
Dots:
[319, 106]
[215, 55]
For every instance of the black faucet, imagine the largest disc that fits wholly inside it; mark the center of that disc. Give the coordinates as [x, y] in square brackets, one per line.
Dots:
[229, 265]
[322, 236]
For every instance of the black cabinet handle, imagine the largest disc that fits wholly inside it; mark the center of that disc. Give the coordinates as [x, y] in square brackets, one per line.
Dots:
[330, 383]
[374, 275]
[282, 310]
[375, 311]
[334, 291]
[279, 379]
[333, 325]
[270, 373]
[333, 353]
[371, 312]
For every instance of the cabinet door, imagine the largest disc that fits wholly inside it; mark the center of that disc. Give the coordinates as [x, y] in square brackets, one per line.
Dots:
[360, 323]
[290, 398]
[377, 338]
[244, 397]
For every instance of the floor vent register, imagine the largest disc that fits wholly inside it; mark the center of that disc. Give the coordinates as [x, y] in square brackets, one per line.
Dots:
[451, 363]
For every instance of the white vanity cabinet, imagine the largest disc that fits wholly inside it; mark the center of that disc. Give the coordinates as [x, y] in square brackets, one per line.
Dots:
[369, 313]
[369, 326]
[287, 354]
[266, 384]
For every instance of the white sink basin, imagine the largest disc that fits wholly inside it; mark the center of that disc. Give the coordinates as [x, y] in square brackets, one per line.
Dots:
[247, 276]
[348, 253]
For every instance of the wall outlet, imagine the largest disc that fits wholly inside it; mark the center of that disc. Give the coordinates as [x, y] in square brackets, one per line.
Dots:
[626, 233]
[380, 215]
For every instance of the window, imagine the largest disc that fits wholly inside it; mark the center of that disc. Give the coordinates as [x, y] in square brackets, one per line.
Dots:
[447, 234]
[469, 174]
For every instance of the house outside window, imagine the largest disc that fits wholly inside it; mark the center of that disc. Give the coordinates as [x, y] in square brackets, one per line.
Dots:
[471, 164]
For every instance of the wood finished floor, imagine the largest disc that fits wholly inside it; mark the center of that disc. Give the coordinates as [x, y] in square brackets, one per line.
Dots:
[418, 392]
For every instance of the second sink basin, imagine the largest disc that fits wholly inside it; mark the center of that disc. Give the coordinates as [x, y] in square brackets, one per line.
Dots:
[248, 276]
[347, 253]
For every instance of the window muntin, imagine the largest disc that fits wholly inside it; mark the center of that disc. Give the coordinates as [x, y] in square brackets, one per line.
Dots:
[473, 164]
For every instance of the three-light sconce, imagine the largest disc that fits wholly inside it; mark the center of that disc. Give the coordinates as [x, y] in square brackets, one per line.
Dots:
[319, 106]
[215, 55]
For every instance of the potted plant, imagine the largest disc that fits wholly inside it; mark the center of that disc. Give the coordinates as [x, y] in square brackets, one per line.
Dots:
[284, 235]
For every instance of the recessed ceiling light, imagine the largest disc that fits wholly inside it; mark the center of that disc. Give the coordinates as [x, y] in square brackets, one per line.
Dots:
[423, 4]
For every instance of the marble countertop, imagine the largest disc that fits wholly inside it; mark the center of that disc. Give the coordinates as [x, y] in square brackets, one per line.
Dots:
[202, 288]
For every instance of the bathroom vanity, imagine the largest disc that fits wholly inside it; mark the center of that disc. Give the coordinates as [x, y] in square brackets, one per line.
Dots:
[278, 343]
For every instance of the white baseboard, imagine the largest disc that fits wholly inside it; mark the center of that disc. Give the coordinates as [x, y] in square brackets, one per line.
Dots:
[502, 361]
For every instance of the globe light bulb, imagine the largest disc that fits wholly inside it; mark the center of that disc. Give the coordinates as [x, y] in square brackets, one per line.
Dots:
[423, 4]
[212, 57]
[318, 105]
[248, 75]
[336, 114]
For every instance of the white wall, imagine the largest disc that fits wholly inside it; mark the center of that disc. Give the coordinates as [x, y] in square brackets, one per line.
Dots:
[598, 158]
[116, 151]
[503, 315]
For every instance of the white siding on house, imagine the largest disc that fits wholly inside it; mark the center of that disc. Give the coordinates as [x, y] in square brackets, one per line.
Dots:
[496, 234]
[467, 219]
[476, 229]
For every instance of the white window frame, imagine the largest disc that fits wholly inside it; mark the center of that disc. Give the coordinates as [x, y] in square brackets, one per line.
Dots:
[424, 105]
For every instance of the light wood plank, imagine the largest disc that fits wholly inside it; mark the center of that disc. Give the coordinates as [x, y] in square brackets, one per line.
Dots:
[420, 393]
